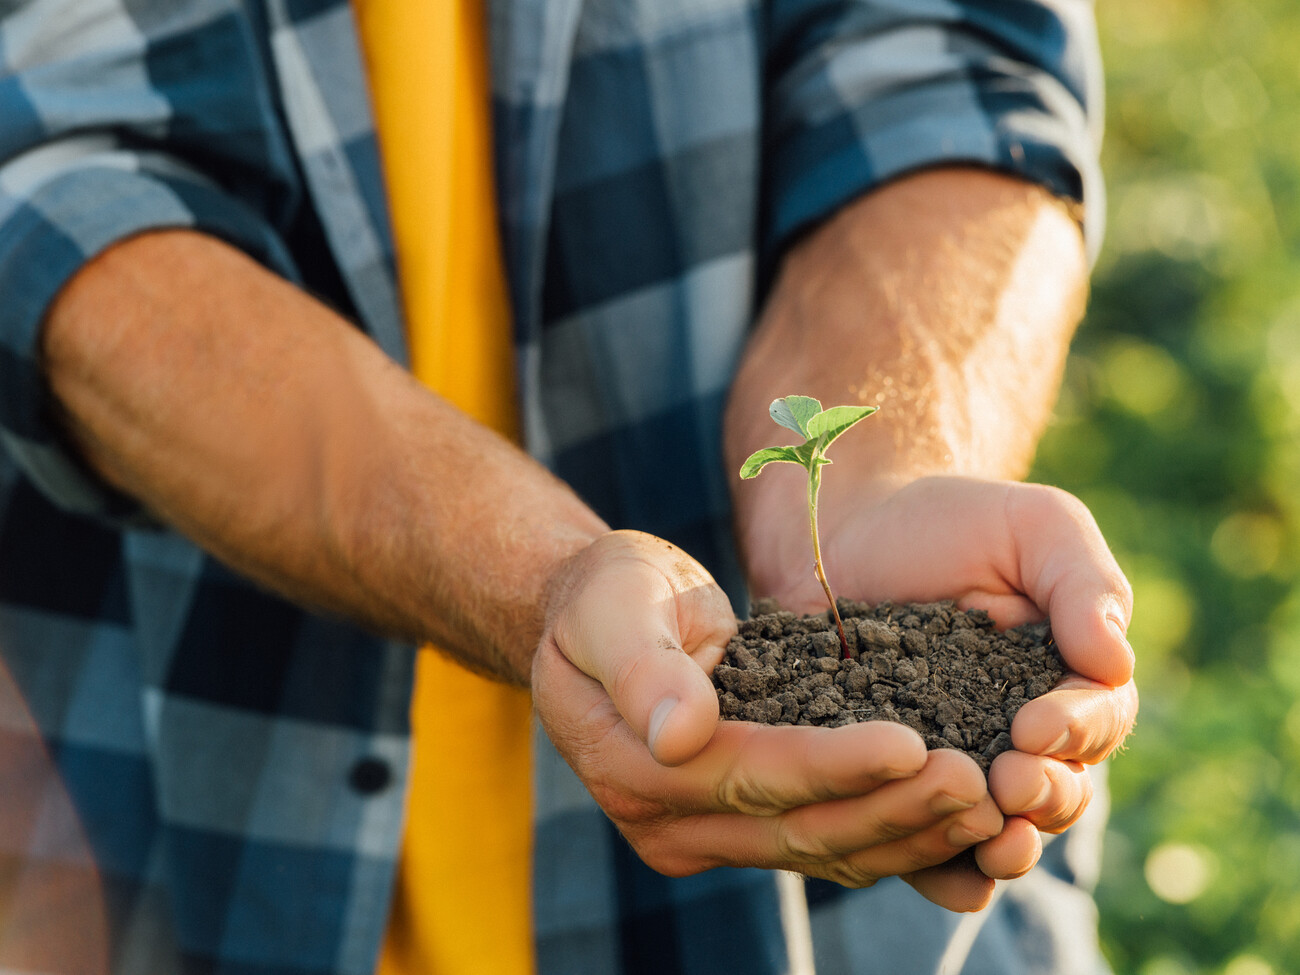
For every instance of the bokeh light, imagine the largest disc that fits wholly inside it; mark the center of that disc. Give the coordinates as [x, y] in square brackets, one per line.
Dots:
[1178, 873]
[1248, 965]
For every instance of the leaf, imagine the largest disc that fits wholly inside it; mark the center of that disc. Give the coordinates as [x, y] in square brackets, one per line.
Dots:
[794, 412]
[759, 459]
[827, 426]
[809, 455]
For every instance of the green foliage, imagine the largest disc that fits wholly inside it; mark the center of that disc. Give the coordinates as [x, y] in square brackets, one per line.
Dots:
[819, 428]
[1180, 426]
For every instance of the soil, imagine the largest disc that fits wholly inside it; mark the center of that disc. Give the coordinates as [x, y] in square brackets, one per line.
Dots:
[946, 672]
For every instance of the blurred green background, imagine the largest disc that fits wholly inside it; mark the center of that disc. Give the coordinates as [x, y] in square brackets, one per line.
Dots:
[1180, 426]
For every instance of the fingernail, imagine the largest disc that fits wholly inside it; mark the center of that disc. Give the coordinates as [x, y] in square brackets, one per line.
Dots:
[1058, 746]
[1041, 798]
[1118, 629]
[959, 835]
[657, 718]
[944, 804]
[890, 774]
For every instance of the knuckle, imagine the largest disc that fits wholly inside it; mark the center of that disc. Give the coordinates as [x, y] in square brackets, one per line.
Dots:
[1040, 499]
[625, 676]
[796, 845]
[847, 875]
[1066, 502]
[1037, 505]
[739, 793]
[918, 857]
[884, 831]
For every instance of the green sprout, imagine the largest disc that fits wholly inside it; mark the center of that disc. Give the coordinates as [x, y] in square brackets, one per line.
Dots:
[819, 428]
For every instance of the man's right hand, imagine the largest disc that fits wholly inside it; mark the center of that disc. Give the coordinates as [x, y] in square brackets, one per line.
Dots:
[620, 681]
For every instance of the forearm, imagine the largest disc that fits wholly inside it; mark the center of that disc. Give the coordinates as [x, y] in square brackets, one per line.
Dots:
[282, 440]
[948, 299]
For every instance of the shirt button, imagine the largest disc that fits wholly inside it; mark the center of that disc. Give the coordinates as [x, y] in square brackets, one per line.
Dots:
[370, 775]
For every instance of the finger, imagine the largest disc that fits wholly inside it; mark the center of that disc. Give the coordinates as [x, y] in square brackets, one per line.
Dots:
[762, 770]
[957, 885]
[950, 792]
[1079, 720]
[702, 842]
[1046, 792]
[1067, 568]
[777, 769]
[1013, 852]
[724, 807]
[919, 851]
[632, 623]
[901, 826]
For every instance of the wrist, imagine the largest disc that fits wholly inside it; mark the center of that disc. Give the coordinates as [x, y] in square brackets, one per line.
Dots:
[469, 567]
[947, 299]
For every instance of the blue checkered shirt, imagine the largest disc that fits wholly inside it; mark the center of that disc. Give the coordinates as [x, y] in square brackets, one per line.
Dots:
[237, 763]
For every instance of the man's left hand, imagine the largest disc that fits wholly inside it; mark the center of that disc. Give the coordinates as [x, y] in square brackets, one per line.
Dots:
[1021, 552]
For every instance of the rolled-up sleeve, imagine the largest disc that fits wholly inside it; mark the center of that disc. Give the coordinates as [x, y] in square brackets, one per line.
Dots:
[95, 148]
[859, 93]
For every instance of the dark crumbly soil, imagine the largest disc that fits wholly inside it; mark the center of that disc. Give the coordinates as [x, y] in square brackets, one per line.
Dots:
[947, 673]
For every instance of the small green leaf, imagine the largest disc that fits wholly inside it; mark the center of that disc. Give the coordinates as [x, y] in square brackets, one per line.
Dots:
[794, 412]
[809, 455]
[770, 455]
[827, 426]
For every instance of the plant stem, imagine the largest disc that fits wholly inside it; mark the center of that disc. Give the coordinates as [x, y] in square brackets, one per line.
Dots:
[814, 487]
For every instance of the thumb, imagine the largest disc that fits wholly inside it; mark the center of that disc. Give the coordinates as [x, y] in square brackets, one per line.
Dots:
[669, 702]
[649, 623]
[1075, 578]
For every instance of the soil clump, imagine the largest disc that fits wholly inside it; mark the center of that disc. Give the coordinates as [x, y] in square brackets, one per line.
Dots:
[945, 672]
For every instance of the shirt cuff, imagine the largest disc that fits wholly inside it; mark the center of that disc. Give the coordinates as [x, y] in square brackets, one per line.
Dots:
[838, 132]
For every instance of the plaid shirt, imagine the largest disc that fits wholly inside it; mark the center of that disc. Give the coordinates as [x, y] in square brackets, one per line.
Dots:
[237, 764]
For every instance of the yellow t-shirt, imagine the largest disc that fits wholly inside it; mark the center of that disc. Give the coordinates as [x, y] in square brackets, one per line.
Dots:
[462, 905]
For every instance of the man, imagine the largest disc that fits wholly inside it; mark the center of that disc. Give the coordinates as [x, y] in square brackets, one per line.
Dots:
[179, 179]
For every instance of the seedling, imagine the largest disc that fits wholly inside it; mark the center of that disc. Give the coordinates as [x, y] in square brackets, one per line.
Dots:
[820, 428]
